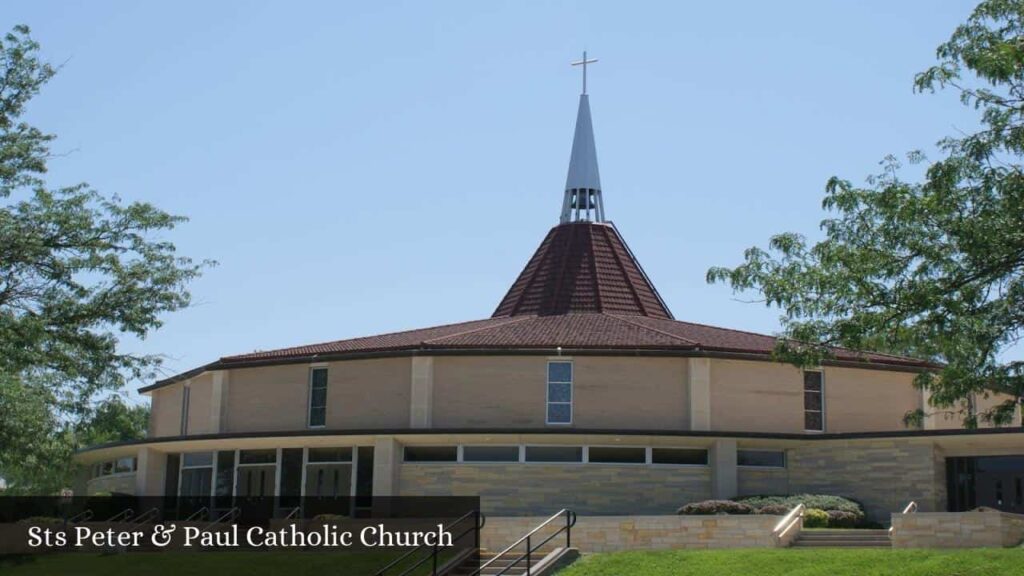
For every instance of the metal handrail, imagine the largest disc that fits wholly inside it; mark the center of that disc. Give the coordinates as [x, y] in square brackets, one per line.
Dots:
[570, 521]
[225, 517]
[910, 509]
[202, 513]
[792, 518]
[122, 516]
[147, 515]
[293, 513]
[83, 516]
[478, 524]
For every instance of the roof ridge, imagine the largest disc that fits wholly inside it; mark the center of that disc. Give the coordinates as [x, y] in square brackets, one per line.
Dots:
[509, 320]
[383, 335]
[662, 332]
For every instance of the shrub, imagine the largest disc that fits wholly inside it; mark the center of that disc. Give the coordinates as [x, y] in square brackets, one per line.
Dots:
[844, 519]
[818, 501]
[814, 518]
[711, 507]
[776, 509]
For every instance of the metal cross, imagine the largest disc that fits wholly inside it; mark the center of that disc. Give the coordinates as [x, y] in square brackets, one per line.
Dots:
[584, 63]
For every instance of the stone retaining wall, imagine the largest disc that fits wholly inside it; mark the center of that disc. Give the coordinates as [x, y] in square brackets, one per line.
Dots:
[978, 529]
[120, 483]
[615, 533]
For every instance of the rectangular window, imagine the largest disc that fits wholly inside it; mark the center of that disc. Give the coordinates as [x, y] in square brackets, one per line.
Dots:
[317, 397]
[257, 456]
[761, 458]
[224, 480]
[330, 454]
[559, 404]
[431, 453]
[185, 394]
[124, 465]
[813, 402]
[106, 468]
[679, 456]
[554, 454]
[616, 455]
[196, 459]
[490, 453]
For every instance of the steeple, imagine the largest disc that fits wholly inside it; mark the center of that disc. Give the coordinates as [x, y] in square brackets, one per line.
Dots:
[582, 200]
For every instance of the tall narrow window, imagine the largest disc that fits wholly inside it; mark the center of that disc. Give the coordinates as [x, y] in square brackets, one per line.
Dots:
[317, 397]
[186, 392]
[814, 420]
[559, 406]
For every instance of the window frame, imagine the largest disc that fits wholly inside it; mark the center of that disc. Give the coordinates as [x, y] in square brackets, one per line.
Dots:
[186, 399]
[405, 450]
[309, 392]
[547, 391]
[651, 462]
[462, 454]
[580, 462]
[785, 459]
[645, 449]
[821, 394]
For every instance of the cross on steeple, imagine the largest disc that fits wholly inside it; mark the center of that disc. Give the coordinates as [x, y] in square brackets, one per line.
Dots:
[584, 63]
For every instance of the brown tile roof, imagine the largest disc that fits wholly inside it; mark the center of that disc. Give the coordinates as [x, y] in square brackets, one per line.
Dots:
[582, 290]
[582, 267]
[580, 331]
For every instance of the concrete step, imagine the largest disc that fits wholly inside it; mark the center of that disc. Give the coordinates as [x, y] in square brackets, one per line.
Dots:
[843, 544]
[842, 539]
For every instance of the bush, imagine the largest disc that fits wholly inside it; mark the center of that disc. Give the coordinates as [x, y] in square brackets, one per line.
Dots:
[814, 518]
[843, 519]
[817, 501]
[776, 509]
[712, 507]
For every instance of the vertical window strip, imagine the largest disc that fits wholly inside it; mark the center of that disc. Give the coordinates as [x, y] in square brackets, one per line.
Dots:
[185, 395]
[559, 393]
[317, 397]
[814, 395]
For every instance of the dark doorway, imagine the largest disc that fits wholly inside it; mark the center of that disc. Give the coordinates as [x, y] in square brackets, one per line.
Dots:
[993, 481]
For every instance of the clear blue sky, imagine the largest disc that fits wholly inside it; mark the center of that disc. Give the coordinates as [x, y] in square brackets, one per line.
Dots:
[364, 167]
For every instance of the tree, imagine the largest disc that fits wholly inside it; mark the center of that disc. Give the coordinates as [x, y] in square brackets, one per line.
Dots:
[77, 271]
[932, 269]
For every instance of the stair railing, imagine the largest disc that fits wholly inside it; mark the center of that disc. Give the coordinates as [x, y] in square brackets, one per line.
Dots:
[479, 520]
[793, 518]
[147, 516]
[83, 516]
[225, 517]
[910, 509]
[570, 521]
[200, 514]
[122, 516]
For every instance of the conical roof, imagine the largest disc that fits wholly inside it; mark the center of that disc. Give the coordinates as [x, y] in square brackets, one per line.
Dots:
[583, 267]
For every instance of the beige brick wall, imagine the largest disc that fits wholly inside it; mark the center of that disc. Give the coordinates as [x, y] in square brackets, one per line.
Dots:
[859, 400]
[200, 399]
[616, 533]
[544, 489]
[756, 397]
[165, 416]
[511, 391]
[369, 393]
[957, 530]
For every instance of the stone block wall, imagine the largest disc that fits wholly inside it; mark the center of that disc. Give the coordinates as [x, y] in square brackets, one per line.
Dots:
[537, 489]
[883, 475]
[122, 483]
[615, 533]
[761, 481]
[957, 529]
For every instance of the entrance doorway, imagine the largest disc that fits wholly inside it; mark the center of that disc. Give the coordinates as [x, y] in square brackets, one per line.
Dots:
[993, 481]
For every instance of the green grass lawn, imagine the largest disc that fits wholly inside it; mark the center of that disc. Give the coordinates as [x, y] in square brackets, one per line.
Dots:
[803, 562]
[200, 564]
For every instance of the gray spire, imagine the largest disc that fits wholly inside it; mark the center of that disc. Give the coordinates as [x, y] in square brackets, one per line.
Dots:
[582, 200]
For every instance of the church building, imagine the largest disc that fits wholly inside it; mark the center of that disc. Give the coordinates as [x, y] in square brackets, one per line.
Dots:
[582, 390]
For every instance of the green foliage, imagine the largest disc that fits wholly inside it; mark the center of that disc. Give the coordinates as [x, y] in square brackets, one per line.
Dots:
[818, 501]
[843, 519]
[77, 270]
[814, 518]
[713, 507]
[932, 269]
